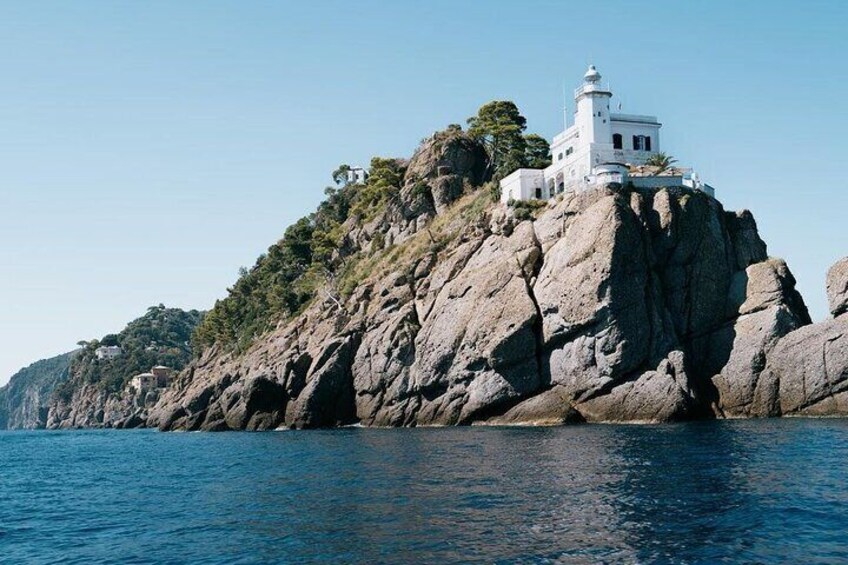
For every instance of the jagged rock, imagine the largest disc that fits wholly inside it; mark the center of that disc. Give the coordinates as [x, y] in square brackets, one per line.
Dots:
[549, 408]
[25, 399]
[327, 398]
[613, 305]
[810, 369]
[655, 396]
[449, 152]
[765, 307]
[837, 287]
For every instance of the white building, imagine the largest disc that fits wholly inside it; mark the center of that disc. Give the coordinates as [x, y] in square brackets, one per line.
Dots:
[601, 147]
[107, 352]
[158, 377]
[144, 381]
[357, 175]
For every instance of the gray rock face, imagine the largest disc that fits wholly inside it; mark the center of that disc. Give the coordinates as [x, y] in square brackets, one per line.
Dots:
[25, 399]
[610, 306]
[768, 307]
[837, 287]
[809, 369]
[90, 407]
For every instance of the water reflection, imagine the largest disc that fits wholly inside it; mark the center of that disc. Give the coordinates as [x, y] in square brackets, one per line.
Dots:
[702, 492]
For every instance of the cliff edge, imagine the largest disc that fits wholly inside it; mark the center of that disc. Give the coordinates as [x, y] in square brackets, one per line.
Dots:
[611, 305]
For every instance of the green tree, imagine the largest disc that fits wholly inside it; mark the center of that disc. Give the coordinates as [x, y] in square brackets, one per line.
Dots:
[340, 174]
[537, 153]
[499, 126]
[662, 161]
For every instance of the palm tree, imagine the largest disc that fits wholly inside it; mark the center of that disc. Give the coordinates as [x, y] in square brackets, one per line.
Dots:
[661, 161]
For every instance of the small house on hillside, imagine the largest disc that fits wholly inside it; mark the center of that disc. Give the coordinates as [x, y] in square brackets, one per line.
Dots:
[107, 352]
[158, 377]
[144, 381]
[357, 175]
[162, 374]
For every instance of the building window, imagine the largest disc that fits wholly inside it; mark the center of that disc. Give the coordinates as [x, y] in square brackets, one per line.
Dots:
[559, 157]
[616, 141]
[569, 151]
[641, 143]
[538, 193]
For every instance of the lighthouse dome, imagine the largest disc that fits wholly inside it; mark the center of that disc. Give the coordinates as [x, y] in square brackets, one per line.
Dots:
[592, 75]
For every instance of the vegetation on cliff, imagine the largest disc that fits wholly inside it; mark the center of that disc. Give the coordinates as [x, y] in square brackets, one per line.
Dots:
[161, 336]
[286, 277]
[25, 396]
[318, 253]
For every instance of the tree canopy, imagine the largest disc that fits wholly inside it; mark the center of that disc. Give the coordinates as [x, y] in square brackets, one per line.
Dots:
[538, 151]
[161, 337]
[499, 126]
[285, 278]
[660, 160]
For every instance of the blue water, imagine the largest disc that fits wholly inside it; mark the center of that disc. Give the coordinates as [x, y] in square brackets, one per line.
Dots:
[740, 492]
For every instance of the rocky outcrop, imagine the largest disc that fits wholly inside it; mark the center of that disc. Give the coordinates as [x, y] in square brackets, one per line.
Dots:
[24, 401]
[837, 287]
[90, 407]
[440, 171]
[807, 372]
[611, 305]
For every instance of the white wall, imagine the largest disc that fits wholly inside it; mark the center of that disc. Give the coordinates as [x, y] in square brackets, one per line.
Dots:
[522, 185]
[627, 130]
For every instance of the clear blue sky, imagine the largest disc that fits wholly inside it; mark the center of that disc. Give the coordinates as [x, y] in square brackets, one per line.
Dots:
[150, 149]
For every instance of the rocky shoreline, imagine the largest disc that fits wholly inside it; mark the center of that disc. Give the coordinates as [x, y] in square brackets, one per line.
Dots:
[611, 305]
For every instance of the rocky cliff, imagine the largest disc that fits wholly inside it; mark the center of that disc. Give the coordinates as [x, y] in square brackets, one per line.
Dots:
[24, 401]
[439, 307]
[95, 392]
[610, 305]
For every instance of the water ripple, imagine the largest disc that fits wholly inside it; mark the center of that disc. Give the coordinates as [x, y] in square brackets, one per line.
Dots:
[711, 492]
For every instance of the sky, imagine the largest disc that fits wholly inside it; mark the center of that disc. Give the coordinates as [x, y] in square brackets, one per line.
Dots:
[150, 149]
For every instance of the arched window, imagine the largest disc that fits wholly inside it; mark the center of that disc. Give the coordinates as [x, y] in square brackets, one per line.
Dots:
[616, 141]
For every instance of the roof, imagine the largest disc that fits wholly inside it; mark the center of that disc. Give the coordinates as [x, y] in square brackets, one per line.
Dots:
[150, 375]
[648, 171]
[162, 367]
[635, 119]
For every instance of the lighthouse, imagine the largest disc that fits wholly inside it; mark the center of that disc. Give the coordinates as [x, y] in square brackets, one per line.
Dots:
[599, 148]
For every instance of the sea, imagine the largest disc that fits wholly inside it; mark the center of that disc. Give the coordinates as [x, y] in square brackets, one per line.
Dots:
[755, 491]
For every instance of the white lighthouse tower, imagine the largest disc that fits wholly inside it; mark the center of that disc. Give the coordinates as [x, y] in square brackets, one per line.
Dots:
[600, 148]
[593, 111]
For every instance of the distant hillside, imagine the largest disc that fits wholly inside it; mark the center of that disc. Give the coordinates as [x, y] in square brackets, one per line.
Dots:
[161, 337]
[46, 392]
[24, 399]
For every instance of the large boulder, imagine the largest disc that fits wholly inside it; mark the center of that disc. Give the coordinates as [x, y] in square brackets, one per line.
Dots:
[809, 367]
[837, 287]
[764, 306]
